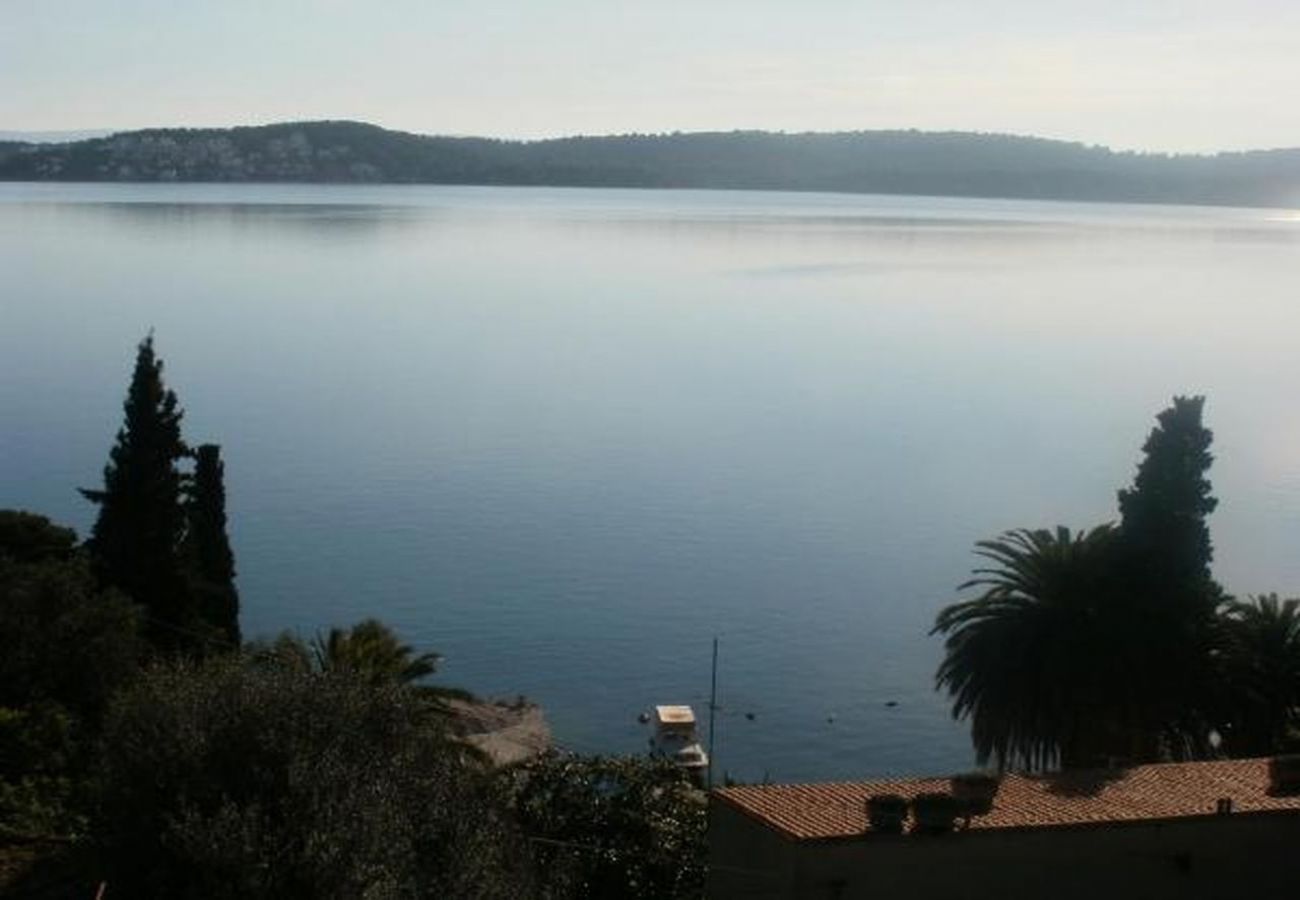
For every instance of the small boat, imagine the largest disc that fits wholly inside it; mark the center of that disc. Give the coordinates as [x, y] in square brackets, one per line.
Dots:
[675, 738]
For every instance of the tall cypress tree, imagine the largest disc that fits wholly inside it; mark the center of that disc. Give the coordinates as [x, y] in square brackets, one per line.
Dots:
[1164, 512]
[1165, 544]
[136, 538]
[211, 561]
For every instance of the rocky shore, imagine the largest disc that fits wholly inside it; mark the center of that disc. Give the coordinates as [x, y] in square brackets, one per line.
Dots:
[507, 732]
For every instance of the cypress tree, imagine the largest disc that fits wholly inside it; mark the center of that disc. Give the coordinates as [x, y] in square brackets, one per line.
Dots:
[135, 540]
[1163, 514]
[209, 556]
[1166, 552]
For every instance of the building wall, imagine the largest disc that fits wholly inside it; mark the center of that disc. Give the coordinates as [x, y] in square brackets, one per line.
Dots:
[746, 859]
[1223, 857]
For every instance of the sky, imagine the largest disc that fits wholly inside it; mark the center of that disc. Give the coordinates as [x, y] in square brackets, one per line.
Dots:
[1191, 75]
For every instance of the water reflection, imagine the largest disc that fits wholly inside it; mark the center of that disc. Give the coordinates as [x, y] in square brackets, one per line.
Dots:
[324, 222]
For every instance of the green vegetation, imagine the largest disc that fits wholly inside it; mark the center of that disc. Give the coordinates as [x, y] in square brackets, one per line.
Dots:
[66, 646]
[160, 536]
[206, 549]
[369, 650]
[1174, 631]
[135, 543]
[224, 780]
[889, 162]
[1023, 657]
[1116, 645]
[1261, 657]
[1163, 515]
[611, 826]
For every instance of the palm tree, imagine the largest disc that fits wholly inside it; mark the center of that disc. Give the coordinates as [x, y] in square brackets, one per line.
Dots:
[369, 649]
[1029, 660]
[1262, 664]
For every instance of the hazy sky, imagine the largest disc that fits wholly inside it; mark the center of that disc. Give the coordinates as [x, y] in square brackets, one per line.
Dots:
[1185, 75]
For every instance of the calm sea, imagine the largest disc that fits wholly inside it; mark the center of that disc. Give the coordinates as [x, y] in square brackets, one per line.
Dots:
[566, 437]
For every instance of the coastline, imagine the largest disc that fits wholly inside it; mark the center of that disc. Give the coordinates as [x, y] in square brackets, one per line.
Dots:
[508, 732]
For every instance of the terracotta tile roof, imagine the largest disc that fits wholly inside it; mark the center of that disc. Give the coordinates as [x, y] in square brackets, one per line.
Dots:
[1161, 791]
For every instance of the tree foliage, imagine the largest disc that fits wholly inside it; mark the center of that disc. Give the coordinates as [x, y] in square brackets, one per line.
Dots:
[160, 536]
[224, 780]
[1262, 667]
[64, 640]
[207, 550]
[136, 537]
[27, 538]
[65, 647]
[369, 650]
[1163, 515]
[1172, 596]
[611, 827]
[1103, 646]
[1031, 660]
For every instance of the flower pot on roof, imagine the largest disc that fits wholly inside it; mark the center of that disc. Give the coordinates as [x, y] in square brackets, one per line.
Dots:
[975, 792]
[886, 813]
[935, 813]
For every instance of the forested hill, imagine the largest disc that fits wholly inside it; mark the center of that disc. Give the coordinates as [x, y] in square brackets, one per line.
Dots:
[895, 162]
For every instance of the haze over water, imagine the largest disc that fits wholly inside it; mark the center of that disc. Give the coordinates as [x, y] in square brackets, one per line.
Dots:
[567, 436]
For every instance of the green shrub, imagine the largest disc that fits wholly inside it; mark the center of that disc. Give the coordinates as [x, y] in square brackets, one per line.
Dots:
[611, 827]
[225, 780]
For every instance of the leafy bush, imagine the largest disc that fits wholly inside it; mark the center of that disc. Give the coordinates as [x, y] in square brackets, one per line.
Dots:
[61, 639]
[65, 646]
[38, 795]
[611, 827]
[225, 780]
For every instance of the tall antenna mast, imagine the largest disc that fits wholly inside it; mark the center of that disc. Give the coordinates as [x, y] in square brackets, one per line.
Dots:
[713, 706]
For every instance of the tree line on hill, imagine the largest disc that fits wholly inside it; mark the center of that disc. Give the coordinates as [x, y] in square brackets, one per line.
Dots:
[1115, 645]
[888, 162]
[145, 746]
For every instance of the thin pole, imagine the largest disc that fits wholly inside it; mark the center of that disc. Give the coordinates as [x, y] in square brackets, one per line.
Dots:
[713, 705]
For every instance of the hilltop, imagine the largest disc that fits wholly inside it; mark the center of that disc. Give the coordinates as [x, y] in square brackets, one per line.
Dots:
[893, 162]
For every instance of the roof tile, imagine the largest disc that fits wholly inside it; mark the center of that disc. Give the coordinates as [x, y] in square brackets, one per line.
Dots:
[1141, 793]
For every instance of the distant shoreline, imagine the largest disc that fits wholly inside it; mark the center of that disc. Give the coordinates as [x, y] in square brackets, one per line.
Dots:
[889, 163]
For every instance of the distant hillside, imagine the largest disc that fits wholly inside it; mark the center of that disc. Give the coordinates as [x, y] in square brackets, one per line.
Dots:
[894, 162]
[52, 137]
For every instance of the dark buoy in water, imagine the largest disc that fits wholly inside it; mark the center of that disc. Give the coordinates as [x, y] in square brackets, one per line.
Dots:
[750, 716]
[891, 703]
[643, 718]
[830, 720]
